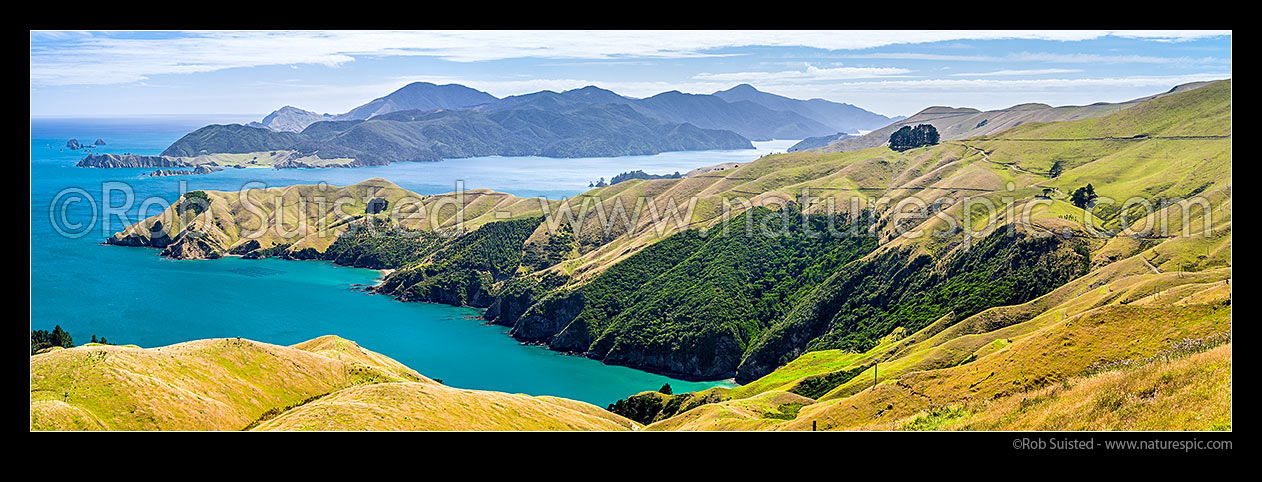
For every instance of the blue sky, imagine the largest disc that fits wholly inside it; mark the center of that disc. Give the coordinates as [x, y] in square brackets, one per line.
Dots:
[888, 72]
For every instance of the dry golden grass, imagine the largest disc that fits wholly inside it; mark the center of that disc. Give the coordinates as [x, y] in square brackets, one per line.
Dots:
[754, 413]
[217, 384]
[231, 384]
[1192, 393]
[429, 406]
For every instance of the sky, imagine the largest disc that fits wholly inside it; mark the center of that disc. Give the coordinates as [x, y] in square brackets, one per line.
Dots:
[129, 73]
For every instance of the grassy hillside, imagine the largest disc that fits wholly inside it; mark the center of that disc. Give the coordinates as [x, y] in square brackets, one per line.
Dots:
[431, 406]
[1119, 326]
[962, 123]
[231, 384]
[1147, 296]
[304, 221]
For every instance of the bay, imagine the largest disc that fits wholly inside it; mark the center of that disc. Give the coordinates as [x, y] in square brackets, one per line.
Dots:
[131, 296]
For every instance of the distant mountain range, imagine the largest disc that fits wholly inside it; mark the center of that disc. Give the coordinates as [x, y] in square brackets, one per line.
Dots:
[578, 130]
[428, 122]
[742, 109]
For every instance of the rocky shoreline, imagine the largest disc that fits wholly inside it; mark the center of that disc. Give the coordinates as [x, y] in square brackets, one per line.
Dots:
[197, 171]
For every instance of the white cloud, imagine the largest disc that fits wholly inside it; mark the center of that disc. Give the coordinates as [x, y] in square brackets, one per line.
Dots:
[1043, 57]
[1025, 85]
[1106, 59]
[810, 74]
[69, 58]
[1002, 73]
[921, 56]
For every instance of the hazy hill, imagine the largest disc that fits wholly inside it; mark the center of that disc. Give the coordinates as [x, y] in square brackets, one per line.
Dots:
[549, 100]
[743, 117]
[958, 123]
[420, 96]
[820, 141]
[290, 119]
[749, 119]
[843, 118]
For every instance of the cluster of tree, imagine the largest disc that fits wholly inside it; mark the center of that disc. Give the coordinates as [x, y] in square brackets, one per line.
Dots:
[639, 174]
[376, 205]
[41, 339]
[196, 201]
[866, 300]
[909, 137]
[1056, 169]
[463, 270]
[557, 248]
[697, 293]
[1083, 196]
[600, 183]
[365, 246]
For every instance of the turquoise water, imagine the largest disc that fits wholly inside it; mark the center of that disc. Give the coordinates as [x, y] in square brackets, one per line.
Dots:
[131, 296]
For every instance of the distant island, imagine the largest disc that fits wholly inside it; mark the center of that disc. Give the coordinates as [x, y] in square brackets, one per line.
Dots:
[74, 144]
[639, 174]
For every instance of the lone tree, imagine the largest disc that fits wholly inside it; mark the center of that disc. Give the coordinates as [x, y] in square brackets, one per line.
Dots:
[909, 137]
[665, 390]
[1083, 196]
[1056, 169]
[376, 205]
